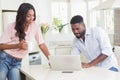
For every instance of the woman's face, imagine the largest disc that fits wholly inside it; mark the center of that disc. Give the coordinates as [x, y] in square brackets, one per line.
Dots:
[30, 16]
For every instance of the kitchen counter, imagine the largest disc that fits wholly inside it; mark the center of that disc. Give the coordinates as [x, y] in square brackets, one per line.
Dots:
[43, 72]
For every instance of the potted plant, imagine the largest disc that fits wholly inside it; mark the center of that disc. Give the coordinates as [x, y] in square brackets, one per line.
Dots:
[44, 28]
[58, 24]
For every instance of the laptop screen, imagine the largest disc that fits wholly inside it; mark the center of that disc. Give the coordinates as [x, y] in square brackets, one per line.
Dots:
[65, 62]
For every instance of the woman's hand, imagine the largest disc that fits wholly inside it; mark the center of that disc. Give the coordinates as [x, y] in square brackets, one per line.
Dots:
[22, 45]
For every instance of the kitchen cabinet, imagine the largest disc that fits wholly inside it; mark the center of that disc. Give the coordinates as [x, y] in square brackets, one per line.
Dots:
[6, 5]
[34, 58]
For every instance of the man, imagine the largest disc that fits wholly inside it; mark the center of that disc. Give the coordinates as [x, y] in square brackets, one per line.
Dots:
[94, 44]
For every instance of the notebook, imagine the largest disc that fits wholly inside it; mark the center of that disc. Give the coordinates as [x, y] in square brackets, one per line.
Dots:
[65, 63]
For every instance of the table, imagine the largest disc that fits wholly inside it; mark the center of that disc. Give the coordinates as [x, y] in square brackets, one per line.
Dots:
[43, 72]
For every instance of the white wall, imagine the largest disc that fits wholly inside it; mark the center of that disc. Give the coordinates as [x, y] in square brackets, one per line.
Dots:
[78, 7]
[10, 5]
[43, 9]
[59, 37]
[0, 18]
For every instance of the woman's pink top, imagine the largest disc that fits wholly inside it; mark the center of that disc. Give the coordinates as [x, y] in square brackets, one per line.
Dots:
[8, 37]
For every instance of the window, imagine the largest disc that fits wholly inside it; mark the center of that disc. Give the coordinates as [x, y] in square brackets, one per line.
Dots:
[109, 21]
[60, 12]
[94, 14]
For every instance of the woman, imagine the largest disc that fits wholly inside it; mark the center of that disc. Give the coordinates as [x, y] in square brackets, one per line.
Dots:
[13, 42]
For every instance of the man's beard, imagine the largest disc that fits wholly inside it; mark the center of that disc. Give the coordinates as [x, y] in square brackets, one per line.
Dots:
[80, 34]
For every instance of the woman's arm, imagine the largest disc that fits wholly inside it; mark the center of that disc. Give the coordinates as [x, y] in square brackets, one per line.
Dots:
[44, 49]
[8, 46]
[20, 45]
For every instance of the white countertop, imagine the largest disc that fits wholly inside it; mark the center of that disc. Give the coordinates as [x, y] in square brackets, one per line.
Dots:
[43, 72]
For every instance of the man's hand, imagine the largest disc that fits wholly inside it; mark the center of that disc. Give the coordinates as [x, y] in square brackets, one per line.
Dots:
[22, 45]
[86, 65]
[99, 59]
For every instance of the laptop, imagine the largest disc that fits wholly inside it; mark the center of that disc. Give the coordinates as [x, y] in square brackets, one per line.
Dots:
[65, 63]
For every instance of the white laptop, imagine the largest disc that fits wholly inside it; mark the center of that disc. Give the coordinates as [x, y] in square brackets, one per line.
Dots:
[65, 62]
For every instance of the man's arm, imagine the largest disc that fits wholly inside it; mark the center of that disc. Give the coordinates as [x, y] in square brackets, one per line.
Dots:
[105, 46]
[99, 59]
[44, 49]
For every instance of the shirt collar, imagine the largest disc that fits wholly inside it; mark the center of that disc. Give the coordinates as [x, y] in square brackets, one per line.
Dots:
[87, 32]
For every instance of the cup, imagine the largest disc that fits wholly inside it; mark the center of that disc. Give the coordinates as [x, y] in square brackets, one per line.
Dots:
[30, 46]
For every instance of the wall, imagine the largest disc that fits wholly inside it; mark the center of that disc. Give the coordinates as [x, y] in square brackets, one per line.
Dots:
[7, 18]
[117, 27]
[11, 5]
[78, 7]
[0, 18]
[43, 10]
[7, 5]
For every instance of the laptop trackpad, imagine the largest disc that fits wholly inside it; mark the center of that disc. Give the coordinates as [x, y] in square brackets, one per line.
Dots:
[67, 71]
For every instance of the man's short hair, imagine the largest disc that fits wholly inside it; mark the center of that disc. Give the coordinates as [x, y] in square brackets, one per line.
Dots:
[76, 19]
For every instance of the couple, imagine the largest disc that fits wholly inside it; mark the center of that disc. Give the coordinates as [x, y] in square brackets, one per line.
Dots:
[93, 42]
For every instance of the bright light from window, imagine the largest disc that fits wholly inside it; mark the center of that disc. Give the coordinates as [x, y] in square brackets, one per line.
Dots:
[60, 11]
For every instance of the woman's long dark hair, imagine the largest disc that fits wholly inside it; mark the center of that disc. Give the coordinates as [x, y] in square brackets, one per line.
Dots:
[21, 18]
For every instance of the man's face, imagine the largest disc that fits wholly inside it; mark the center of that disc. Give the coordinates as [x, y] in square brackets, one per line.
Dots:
[78, 29]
